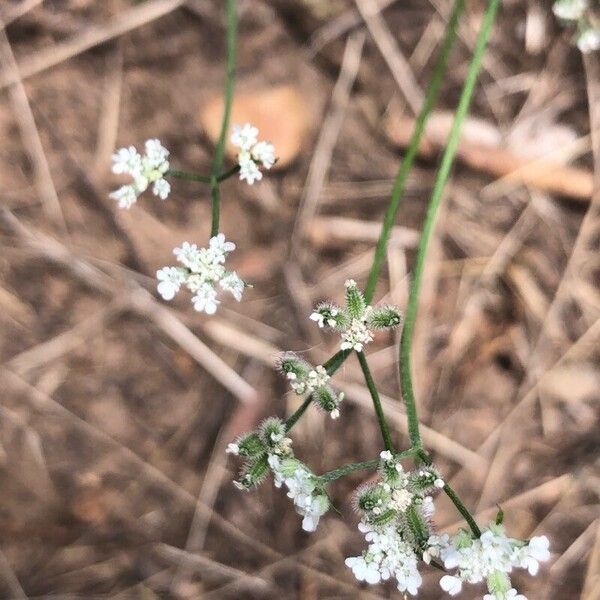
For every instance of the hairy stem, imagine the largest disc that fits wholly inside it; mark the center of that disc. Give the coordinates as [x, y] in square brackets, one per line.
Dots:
[413, 146]
[217, 165]
[383, 426]
[362, 466]
[463, 510]
[430, 219]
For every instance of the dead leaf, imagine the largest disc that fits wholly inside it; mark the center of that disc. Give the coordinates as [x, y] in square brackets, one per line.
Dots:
[280, 113]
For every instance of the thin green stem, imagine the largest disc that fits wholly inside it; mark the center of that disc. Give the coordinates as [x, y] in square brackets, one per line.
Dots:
[201, 178]
[223, 176]
[413, 147]
[383, 426]
[187, 176]
[432, 93]
[362, 466]
[295, 417]
[217, 165]
[340, 472]
[430, 220]
[463, 510]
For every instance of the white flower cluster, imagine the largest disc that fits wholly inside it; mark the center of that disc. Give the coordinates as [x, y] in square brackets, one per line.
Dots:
[309, 499]
[203, 269]
[576, 11]
[145, 170]
[396, 513]
[314, 381]
[491, 558]
[357, 321]
[253, 154]
[269, 448]
[387, 555]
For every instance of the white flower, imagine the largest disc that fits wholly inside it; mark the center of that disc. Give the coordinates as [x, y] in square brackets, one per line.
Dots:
[249, 170]
[253, 154]
[232, 448]
[529, 556]
[363, 570]
[356, 336]
[435, 545]
[206, 299]
[387, 555]
[126, 196]
[589, 40]
[264, 153]
[335, 413]
[170, 279]
[233, 284]
[309, 501]
[220, 247]
[450, 584]
[570, 10]
[203, 270]
[492, 557]
[144, 170]
[161, 188]
[318, 318]
[244, 137]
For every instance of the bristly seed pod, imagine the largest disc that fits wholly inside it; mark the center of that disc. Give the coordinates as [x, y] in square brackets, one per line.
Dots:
[386, 317]
[355, 301]
[293, 366]
[253, 473]
[250, 445]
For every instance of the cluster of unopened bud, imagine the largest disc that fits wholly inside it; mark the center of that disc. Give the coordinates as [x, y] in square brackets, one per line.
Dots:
[313, 381]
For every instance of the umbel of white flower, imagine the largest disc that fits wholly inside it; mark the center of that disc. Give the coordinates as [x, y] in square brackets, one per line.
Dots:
[357, 320]
[491, 558]
[144, 170]
[313, 381]
[252, 154]
[269, 449]
[203, 270]
[396, 514]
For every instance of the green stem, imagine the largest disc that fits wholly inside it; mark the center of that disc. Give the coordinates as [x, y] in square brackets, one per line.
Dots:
[463, 510]
[432, 93]
[295, 417]
[217, 165]
[347, 469]
[430, 219]
[413, 147]
[202, 178]
[187, 175]
[223, 176]
[383, 426]
[363, 466]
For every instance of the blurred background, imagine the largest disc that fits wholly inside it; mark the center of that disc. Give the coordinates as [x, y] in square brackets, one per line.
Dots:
[116, 407]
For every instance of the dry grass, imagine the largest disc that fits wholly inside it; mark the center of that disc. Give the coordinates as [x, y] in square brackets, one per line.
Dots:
[115, 407]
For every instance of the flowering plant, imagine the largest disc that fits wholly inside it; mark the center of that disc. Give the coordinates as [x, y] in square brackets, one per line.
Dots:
[396, 509]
